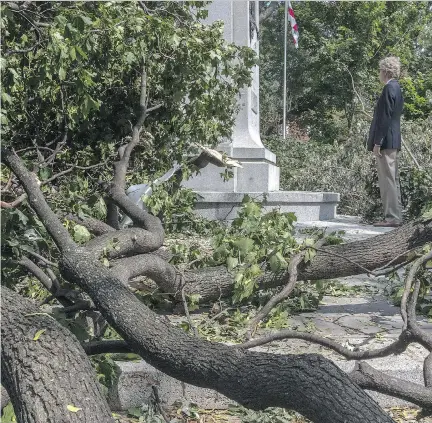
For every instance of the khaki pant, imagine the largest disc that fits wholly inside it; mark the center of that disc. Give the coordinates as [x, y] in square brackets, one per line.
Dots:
[388, 179]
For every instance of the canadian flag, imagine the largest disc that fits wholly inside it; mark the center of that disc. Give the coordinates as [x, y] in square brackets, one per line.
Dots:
[294, 26]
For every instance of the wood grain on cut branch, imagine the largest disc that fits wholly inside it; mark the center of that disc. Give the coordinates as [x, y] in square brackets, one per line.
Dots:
[369, 378]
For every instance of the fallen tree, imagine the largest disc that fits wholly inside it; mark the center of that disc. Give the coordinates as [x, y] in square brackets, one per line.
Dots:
[43, 367]
[310, 384]
[307, 383]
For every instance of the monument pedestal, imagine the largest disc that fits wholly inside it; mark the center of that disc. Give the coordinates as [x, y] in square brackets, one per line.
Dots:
[259, 174]
[308, 206]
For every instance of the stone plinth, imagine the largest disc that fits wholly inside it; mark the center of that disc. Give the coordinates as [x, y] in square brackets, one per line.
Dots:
[308, 206]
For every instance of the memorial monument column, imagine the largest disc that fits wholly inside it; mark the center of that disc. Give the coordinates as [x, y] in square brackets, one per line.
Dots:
[259, 175]
[259, 172]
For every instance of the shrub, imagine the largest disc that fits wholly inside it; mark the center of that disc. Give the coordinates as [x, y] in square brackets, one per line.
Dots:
[348, 168]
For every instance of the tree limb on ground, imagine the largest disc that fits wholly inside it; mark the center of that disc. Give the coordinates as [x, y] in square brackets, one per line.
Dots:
[305, 383]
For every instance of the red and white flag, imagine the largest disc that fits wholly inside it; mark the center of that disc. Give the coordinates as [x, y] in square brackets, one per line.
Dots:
[294, 26]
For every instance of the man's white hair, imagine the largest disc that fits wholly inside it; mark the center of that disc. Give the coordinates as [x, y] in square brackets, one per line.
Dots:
[391, 66]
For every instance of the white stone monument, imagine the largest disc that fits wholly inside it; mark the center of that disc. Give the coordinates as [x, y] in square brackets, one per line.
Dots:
[259, 175]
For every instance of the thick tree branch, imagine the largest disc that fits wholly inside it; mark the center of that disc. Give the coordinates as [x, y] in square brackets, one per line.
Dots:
[117, 190]
[95, 226]
[105, 347]
[150, 265]
[369, 378]
[126, 241]
[372, 253]
[405, 309]
[396, 347]
[122, 165]
[54, 227]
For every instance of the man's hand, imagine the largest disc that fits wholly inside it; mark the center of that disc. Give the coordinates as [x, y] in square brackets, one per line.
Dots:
[377, 151]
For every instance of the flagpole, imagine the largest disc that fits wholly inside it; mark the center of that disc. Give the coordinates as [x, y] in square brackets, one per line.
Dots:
[285, 69]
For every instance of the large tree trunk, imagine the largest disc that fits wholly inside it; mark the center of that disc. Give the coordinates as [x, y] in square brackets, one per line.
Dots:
[330, 262]
[309, 383]
[46, 374]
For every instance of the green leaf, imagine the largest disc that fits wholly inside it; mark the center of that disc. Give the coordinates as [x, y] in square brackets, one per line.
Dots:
[309, 242]
[255, 270]
[73, 409]
[38, 334]
[277, 262]
[81, 52]
[244, 245]
[6, 97]
[309, 255]
[62, 74]
[8, 414]
[86, 20]
[231, 263]
[72, 53]
[81, 234]
[427, 214]
[44, 173]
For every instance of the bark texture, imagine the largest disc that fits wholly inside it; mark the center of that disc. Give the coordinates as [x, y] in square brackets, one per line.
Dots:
[45, 375]
[309, 384]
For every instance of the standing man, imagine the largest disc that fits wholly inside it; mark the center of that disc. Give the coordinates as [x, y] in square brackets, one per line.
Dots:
[385, 141]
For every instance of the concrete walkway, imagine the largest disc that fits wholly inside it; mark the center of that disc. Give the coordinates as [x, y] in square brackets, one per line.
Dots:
[362, 317]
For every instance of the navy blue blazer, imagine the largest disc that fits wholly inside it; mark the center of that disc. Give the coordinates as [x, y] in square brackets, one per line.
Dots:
[385, 127]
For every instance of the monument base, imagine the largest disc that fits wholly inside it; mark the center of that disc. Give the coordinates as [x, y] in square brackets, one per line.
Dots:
[308, 206]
